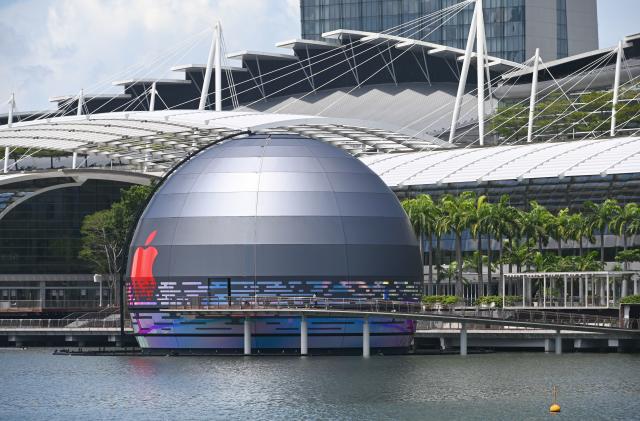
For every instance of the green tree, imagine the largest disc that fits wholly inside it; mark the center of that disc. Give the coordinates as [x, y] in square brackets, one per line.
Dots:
[423, 215]
[539, 223]
[458, 214]
[599, 217]
[478, 228]
[105, 233]
[628, 256]
[626, 222]
[578, 229]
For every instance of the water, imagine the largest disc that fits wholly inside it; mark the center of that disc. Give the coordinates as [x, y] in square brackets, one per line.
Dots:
[514, 386]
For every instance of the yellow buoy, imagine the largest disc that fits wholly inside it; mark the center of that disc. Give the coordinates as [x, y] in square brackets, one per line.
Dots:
[554, 408]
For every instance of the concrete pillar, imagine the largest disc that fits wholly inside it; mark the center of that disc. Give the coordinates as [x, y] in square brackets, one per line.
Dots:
[635, 287]
[74, 160]
[247, 336]
[580, 291]
[623, 293]
[463, 339]
[304, 337]
[366, 348]
[558, 343]
[547, 345]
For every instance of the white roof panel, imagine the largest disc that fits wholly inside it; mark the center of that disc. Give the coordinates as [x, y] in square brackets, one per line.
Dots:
[538, 160]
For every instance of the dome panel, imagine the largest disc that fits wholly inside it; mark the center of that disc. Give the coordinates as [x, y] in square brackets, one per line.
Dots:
[258, 211]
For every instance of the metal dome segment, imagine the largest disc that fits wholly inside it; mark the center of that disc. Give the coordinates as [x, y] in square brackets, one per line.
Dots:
[284, 209]
[159, 138]
[546, 160]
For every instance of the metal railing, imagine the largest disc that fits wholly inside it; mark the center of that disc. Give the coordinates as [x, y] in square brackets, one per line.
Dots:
[388, 306]
[35, 324]
[322, 303]
[40, 305]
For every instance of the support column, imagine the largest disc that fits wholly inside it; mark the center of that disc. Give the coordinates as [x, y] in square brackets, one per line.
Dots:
[565, 290]
[6, 160]
[463, 339]
[601, 285]
[580, 290]
[616, 88]
[207, 75]
[366, 348]
[558, 343]
[607, 298]
[12, 105]
[544, 290]
[462, 83]
[480, 70]
[534, 92]
[304, 337]
[247, 336]
[625, 284]
[80, 102]
[218, 69]
[586, 291]
[152, 100]
[74, 160]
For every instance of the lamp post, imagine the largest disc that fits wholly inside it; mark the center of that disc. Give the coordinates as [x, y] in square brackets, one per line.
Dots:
[98, 278]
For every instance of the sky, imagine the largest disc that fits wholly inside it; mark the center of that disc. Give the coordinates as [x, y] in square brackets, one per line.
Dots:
[55, 47]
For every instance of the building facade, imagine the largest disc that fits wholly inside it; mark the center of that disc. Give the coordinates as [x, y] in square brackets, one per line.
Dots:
[270, 216]
[514, 28]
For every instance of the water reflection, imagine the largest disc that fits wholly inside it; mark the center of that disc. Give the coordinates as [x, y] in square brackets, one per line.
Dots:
[37, 385]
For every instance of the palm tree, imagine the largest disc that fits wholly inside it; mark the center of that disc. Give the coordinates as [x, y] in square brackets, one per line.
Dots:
[479, 227]
[539, 221]
[458, 213]
[599, 217]
[579, 229]
[501, 224]
[559, 228]
[423, 215]
[625, 222]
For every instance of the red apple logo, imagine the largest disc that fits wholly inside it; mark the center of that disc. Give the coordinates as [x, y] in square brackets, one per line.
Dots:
[142, 270]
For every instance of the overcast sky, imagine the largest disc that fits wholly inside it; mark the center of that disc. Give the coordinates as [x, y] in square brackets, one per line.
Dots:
[56, 47]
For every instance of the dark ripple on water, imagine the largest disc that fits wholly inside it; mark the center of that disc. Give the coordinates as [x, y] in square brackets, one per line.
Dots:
[38, 385]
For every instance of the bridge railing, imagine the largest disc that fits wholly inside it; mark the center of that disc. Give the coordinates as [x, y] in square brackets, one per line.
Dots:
[40, 305]
[325, 303]
[389, 306]
[110, 323]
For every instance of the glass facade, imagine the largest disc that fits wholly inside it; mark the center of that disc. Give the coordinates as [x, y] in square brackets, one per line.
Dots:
[504, 20]
[41, 235]
[563, 36]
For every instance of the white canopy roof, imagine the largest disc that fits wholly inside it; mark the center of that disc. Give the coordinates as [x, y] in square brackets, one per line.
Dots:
[158, 137]
[539, 160]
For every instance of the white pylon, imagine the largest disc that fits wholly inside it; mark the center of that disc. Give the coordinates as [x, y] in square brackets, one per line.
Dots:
[480, 68]
[462, 83]
[214, 55]
[218, 69]
[616, 88]
[152, 101]
[534, 92]
[12, 106]
[80, 102]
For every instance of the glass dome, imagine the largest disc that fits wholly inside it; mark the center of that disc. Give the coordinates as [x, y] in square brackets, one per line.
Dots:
[273, 215]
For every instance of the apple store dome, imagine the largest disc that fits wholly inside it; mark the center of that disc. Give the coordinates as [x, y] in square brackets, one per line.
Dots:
[276, 215]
